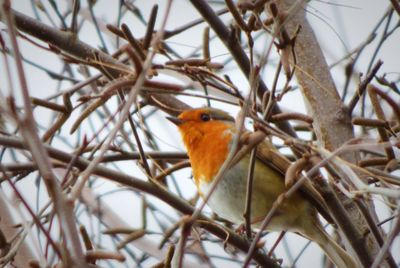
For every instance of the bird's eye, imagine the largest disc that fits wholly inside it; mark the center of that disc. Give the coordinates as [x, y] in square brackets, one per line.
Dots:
[205, 117]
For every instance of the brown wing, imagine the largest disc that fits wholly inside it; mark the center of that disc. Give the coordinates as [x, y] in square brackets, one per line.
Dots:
[269, 155]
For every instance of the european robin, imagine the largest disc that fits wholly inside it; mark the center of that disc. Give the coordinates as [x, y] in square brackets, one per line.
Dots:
[207, 134]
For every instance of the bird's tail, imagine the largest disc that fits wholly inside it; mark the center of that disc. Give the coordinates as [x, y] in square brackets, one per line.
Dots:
[334, 252]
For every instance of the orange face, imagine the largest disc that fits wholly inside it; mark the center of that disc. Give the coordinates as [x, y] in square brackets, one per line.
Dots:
[207, 134]
[197, 124]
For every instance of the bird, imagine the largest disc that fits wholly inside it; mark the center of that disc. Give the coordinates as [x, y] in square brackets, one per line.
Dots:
[208, 136]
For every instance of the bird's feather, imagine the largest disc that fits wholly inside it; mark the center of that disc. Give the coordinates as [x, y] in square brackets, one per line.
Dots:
[270, 156]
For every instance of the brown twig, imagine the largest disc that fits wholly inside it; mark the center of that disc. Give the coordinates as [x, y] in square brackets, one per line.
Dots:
[363, 86]
[238, 18]
[132, 41]
[291, 116]
[150, 28]
[372, 92]
[131, 237]
[93, 255]
[249, 192]
[170, 255]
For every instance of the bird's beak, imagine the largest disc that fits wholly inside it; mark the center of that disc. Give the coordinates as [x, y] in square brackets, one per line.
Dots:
[174, 120]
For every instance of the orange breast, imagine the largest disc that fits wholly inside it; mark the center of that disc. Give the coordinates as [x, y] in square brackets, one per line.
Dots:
[208, 147]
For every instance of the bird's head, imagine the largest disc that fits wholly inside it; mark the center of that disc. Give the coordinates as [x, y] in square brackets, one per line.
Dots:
[194, 124]
[207, 134]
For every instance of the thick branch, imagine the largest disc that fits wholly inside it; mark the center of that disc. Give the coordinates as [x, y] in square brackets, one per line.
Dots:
[331, 120]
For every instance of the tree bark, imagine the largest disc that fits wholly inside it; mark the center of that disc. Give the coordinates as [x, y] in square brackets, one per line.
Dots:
[332, 122]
